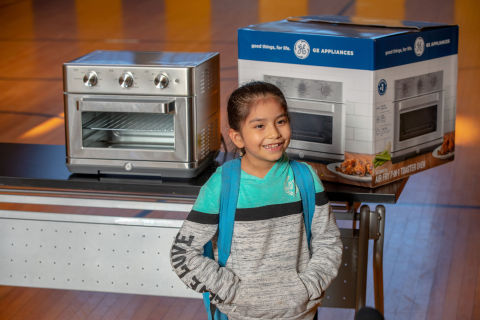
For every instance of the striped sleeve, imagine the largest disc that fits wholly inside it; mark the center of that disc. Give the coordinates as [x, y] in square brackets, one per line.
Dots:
[326, 251]
[326, 245]
[321, 198]
[208, 200]
[198, 272]
[202, 217]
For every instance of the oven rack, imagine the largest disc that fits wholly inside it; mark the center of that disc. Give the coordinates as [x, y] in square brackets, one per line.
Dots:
[127, 121]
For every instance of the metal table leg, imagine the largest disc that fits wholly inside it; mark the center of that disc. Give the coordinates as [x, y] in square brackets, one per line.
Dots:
[378, 258]
[372, 226]
[363, 256]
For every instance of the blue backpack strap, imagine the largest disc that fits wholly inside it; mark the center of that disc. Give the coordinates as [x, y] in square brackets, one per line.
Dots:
[306, 186]
[231, 172]
[212, 312]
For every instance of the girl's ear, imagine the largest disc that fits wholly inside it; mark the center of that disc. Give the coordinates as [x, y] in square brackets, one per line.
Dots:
[236, 138]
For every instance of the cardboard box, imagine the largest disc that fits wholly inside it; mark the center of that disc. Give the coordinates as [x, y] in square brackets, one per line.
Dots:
[371, 102]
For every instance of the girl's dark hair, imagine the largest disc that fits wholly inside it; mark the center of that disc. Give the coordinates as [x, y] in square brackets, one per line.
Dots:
[245, 96]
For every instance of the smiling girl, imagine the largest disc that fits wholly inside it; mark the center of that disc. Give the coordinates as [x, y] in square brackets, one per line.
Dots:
[271, 272]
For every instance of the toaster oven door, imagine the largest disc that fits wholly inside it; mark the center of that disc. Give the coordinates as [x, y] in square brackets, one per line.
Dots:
[129, 128]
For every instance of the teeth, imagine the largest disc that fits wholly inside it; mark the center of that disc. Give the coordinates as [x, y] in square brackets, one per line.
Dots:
[271, 146]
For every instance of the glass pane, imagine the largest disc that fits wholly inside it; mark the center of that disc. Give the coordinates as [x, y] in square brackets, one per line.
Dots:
[128, 130]
[312, 127]
[418, 122]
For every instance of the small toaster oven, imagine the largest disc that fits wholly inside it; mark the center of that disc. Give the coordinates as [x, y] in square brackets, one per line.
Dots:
[142, 113]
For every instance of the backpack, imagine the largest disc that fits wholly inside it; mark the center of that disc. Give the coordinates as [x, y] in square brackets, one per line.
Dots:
[231, 171]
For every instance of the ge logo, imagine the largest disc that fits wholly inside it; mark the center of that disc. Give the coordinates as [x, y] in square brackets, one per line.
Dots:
[382, 87]
[419, 46]
[302, 49]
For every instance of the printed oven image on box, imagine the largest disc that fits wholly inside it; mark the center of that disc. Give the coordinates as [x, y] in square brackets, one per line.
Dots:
[318, 117]
[370, 102]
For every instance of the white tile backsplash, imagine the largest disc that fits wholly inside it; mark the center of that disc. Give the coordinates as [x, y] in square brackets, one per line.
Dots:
[358, 146]
[363, 135]
[361, 122]
[349, 135]
[362, 109]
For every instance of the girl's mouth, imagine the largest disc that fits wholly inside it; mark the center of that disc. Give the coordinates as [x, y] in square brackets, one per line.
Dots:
[273, 146]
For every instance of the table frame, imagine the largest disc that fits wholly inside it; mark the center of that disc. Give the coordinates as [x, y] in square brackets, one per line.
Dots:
[52, 184]
[371, 226]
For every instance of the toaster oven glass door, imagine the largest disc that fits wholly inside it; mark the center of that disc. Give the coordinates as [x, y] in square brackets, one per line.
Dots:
[317, 127]
[418, 121]
[312, 127]
[127, 130]
[135, 128]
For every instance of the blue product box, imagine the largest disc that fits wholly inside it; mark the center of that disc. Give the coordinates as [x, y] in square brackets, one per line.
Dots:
[378, 96]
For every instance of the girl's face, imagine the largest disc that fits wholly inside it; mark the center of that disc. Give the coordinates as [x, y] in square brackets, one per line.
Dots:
[264, 135]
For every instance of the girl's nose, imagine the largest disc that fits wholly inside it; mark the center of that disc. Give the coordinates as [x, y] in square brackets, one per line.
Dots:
[273, 132]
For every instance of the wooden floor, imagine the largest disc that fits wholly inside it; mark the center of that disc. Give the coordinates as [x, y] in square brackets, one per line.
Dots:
[432, 247]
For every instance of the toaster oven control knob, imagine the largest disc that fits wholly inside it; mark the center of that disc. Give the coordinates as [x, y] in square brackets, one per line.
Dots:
[161, 81]
[128, 166]
[90, 79]
[126, 80]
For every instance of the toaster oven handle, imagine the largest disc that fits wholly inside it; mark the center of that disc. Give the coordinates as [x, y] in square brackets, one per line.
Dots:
[124, 105]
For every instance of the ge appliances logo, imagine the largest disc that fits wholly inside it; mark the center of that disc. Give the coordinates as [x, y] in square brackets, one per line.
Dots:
[419, 46]
[301, 49]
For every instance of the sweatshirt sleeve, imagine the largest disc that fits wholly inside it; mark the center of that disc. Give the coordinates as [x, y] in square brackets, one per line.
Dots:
[326, 246]
[198, 272]
[326, 252]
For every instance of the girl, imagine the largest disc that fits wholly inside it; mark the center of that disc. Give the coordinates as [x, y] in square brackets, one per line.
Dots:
[271, 273]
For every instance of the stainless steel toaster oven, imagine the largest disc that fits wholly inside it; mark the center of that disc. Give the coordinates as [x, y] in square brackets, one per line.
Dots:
[142, 113]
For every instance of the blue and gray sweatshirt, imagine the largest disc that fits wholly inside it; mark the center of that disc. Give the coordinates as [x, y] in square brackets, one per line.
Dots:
[271, 273]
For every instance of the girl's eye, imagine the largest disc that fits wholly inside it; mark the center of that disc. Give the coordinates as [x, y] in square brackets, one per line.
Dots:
[282, 121]
[259, 126]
